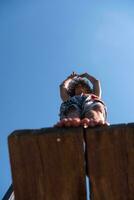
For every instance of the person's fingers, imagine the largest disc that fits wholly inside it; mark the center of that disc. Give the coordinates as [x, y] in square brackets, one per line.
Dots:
[74, 73]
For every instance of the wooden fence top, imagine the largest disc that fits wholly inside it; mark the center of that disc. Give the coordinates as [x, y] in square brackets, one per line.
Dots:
[52, 163]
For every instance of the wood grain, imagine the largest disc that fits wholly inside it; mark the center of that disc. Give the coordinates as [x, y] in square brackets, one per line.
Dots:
[130, 160]
[48, 164]
[110, 162]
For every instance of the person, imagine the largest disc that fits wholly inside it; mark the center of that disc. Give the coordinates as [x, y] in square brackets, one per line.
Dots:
[82, 104]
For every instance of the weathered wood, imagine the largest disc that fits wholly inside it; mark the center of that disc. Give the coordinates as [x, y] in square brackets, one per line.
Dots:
[48, 164]
[110, 162]
[130, 160]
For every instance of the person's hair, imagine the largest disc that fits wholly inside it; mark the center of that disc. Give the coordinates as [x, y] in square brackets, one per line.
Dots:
[78, 80]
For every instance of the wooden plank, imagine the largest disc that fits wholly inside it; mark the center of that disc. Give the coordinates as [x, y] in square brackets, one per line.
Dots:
[48, 164]
[107, 163]
[130, 158]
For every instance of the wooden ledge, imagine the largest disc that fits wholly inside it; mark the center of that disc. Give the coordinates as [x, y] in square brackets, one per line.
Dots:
[52, 163]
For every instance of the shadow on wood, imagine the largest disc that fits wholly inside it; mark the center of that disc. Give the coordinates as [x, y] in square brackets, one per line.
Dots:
[52, 163]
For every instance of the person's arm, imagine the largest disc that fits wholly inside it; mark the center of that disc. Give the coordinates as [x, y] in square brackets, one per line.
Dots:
[64, 87]
[96, 84]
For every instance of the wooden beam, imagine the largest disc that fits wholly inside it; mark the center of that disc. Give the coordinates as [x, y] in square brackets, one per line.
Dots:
[48, 164]
[130, 159]
[110, 162]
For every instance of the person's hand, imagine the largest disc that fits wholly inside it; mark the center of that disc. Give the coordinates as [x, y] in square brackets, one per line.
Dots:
[73, 75]
[84, 75]
[88, 76]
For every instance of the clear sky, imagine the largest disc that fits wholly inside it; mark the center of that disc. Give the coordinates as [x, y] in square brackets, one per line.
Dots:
[42, 42]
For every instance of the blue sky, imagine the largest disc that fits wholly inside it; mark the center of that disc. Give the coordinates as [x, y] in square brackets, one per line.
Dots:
[42, 42]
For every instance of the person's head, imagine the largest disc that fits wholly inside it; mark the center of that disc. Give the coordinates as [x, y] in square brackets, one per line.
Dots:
[79, 85]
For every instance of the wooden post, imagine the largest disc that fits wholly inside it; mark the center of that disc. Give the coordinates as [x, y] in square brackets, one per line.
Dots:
[48, 164]
[110, 162]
